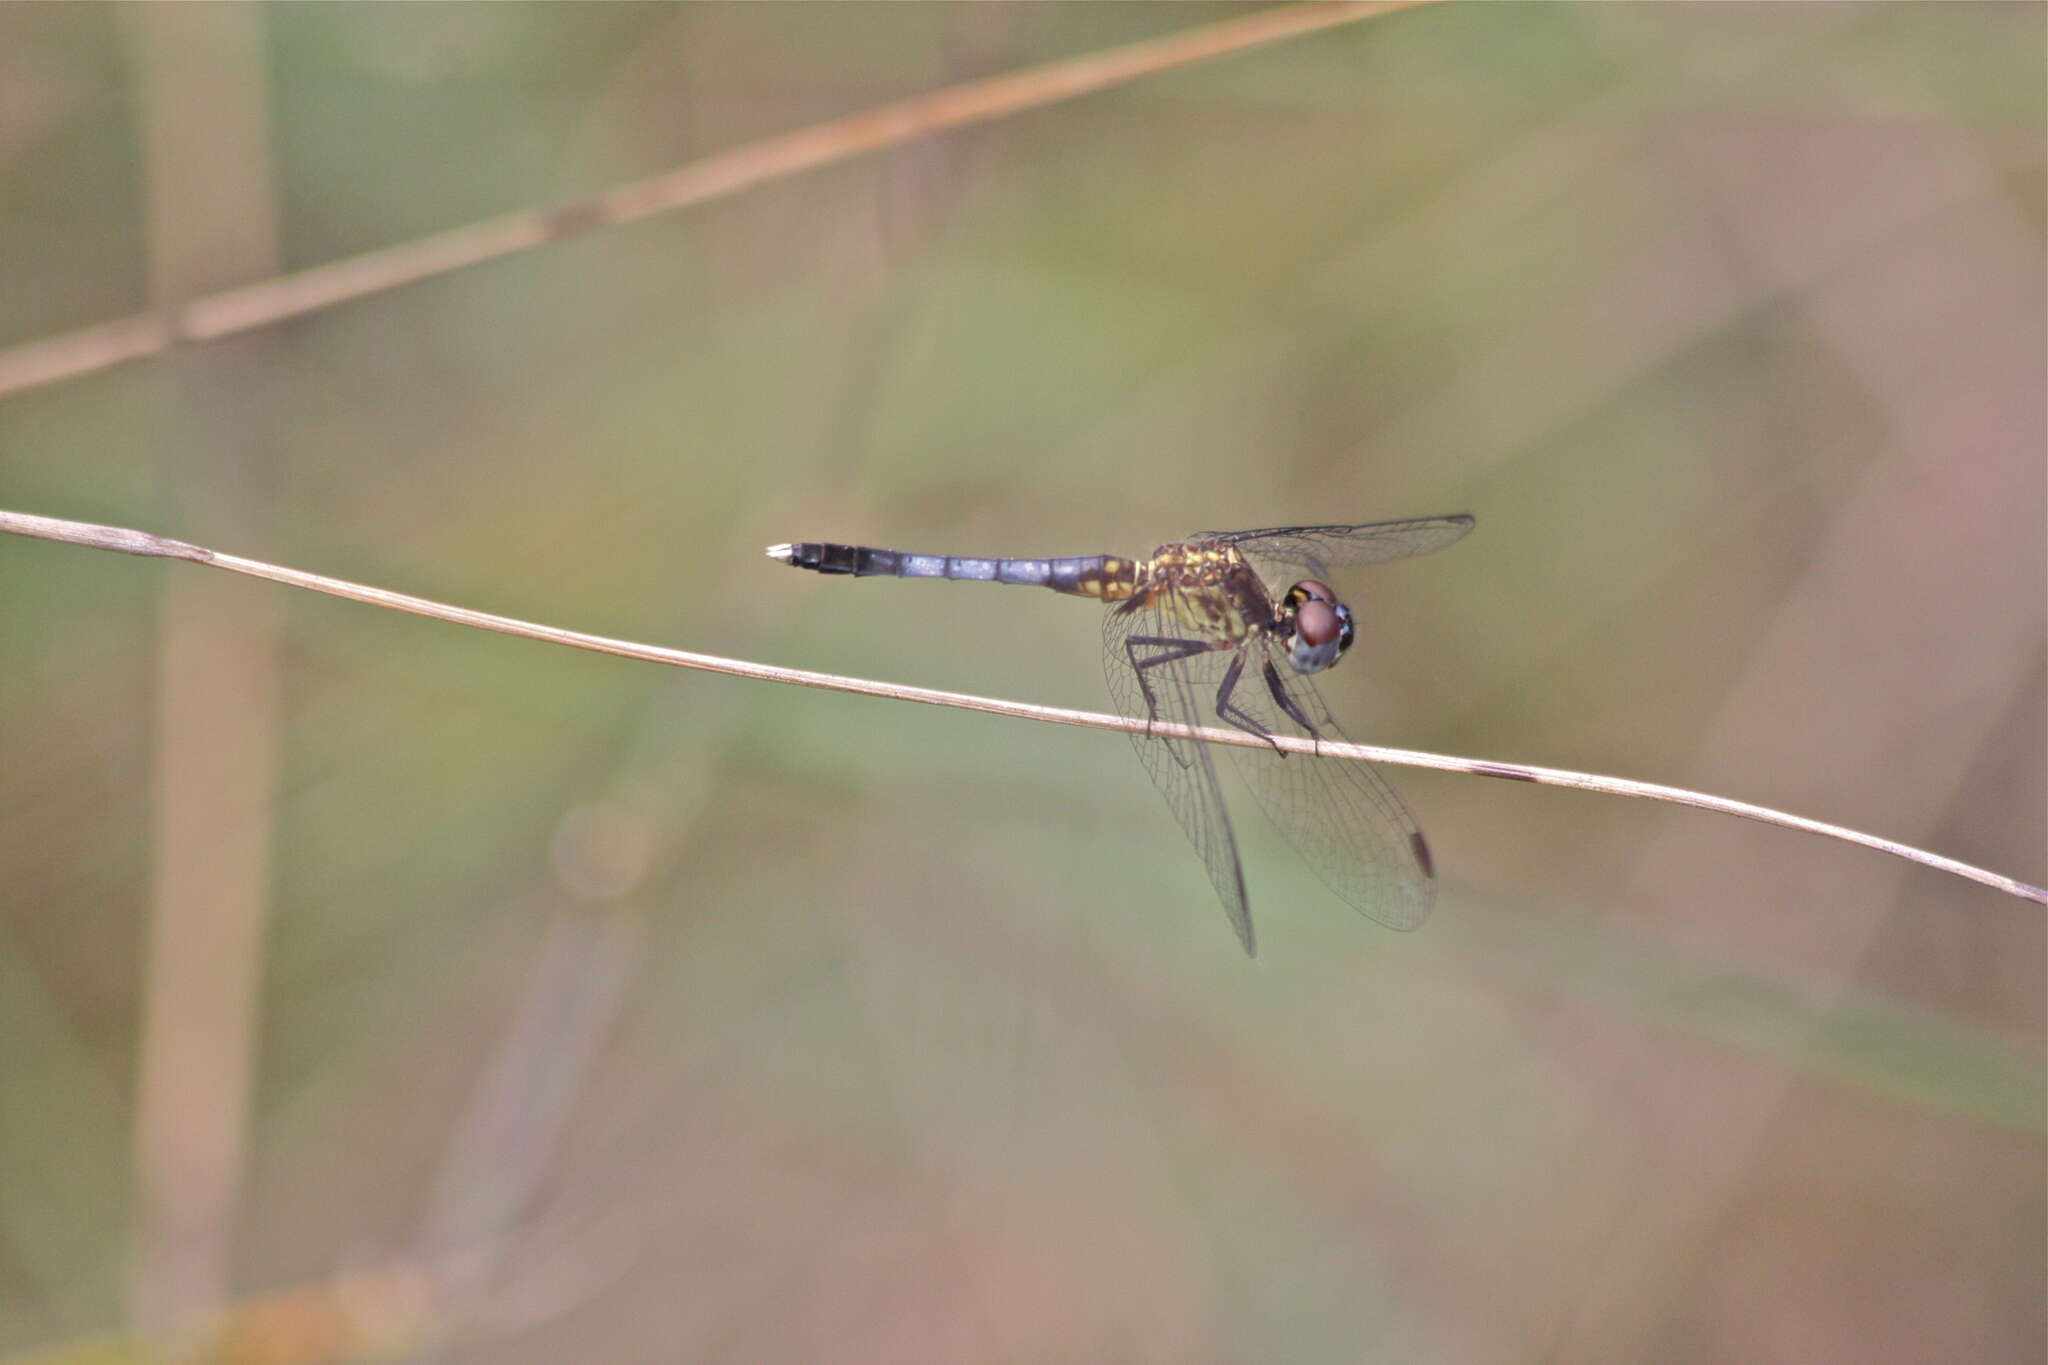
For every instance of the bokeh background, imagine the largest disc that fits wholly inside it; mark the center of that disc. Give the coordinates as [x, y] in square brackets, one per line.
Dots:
[414, 989]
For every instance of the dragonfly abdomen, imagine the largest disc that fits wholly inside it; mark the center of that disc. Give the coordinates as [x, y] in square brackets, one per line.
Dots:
[1105, 577]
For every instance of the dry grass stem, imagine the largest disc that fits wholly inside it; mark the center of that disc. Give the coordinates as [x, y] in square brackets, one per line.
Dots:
[243, 309]
[141, 543]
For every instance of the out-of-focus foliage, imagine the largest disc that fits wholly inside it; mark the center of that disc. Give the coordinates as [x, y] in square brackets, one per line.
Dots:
[918, 1035]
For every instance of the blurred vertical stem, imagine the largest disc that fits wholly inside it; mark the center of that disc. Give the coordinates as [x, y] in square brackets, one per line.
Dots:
[204, 131]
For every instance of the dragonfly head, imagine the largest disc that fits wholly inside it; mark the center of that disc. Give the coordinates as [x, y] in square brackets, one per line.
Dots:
[1316, 626]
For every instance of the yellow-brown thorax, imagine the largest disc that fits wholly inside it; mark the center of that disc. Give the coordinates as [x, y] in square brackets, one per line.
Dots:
[1207, 588]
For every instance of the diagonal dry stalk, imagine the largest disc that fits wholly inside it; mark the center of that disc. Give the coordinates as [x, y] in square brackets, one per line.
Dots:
[142, 543]
[230, 311]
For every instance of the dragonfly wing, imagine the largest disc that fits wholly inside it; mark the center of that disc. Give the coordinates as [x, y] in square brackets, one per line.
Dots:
[1183, 691]
[1342, 817]
[1322, 548]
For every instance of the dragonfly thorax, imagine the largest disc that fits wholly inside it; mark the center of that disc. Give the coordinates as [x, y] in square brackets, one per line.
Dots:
[1205, 588]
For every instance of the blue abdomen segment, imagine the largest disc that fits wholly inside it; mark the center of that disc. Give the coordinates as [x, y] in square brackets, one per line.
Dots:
[1099, 576]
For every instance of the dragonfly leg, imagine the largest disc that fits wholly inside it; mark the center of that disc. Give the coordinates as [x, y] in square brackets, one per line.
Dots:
[1290, 706]
[1237, 715]
[1170, 649]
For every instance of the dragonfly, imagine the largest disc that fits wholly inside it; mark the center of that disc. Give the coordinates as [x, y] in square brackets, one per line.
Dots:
[1200, 628]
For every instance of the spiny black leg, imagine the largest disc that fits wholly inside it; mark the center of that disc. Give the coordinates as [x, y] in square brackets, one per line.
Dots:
[1287, 704]
[1237, 715]
[1171, 649]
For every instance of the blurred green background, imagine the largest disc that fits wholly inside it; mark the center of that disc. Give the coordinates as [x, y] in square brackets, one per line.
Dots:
[661, 1016]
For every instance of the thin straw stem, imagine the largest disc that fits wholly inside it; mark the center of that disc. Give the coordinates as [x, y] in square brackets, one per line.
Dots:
[229, 311]
[142, 543]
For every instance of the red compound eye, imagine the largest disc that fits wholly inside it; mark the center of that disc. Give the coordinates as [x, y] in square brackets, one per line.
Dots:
[1316, 621]
[1316, 592]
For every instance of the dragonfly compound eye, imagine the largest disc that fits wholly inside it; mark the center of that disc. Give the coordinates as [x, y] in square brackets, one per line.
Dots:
[1317, 622]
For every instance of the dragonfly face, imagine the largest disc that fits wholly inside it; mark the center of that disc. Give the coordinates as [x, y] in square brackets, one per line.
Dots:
[1315, 626]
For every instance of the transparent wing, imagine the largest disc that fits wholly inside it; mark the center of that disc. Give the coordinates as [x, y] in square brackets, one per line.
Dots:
[1341, 816]
[1184, 691]
[1321, 548]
